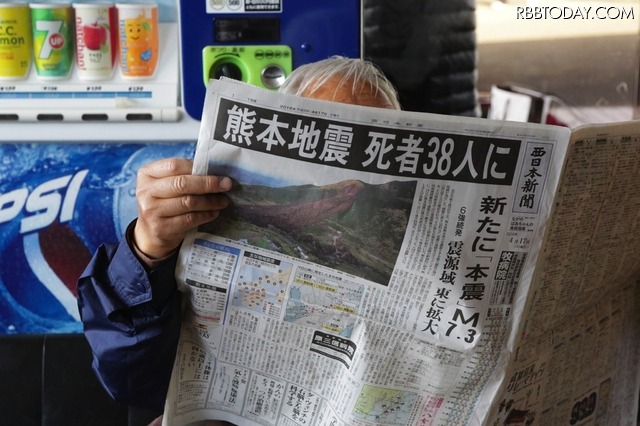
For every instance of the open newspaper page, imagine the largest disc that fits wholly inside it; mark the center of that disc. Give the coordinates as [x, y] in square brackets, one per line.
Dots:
[578, 361]
[373, 269]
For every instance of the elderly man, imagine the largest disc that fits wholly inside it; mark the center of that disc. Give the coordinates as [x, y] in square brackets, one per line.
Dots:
[128, 299]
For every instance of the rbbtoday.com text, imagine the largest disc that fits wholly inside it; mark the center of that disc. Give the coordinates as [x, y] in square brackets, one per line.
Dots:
[571, 13]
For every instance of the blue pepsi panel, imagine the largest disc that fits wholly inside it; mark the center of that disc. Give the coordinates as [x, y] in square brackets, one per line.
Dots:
[58, 203]
[314, 30]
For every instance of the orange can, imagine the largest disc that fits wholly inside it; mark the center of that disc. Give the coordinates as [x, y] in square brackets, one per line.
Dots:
[138, 34]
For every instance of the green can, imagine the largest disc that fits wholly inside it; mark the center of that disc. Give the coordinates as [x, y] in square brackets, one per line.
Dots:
[53, 52]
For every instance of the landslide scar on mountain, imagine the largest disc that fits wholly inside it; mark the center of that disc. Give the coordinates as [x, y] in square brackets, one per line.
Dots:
[269, 206]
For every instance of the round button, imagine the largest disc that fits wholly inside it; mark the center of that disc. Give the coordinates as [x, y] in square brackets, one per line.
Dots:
[226, 69]
[272, 76]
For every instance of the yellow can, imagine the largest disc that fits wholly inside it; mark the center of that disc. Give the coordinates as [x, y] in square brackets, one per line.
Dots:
[15, 41]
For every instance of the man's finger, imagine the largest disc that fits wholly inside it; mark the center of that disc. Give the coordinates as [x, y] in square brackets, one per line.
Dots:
[167, 167]
[196, 184]
[184, 204]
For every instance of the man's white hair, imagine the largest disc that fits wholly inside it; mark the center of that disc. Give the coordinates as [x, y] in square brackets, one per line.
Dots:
[308, 78]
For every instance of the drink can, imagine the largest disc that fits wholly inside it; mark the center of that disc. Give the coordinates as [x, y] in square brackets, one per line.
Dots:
[53, 50]
[96, 40]
[138, 34]
[15, 41]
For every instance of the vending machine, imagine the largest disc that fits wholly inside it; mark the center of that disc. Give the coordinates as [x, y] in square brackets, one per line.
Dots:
[91, 91]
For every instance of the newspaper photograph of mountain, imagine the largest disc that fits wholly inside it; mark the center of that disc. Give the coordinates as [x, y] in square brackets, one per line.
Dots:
[349, 226]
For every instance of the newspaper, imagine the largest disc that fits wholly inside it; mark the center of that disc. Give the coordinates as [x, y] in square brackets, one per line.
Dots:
[578, 356]
[382, 267]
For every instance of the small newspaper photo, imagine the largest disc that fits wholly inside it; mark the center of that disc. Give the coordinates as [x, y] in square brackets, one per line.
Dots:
[379, 267]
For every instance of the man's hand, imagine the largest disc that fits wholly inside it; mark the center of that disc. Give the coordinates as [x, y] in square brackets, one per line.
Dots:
[171, 201]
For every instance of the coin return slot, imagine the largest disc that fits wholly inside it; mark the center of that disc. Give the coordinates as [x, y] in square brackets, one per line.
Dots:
[95, 117]
[50, 117]
[139, 117]
[9, 117]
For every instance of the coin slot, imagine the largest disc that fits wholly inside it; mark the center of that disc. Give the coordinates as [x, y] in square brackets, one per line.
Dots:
[273, 76]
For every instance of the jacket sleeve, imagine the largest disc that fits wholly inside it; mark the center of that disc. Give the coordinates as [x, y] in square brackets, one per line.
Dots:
[131, 319]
